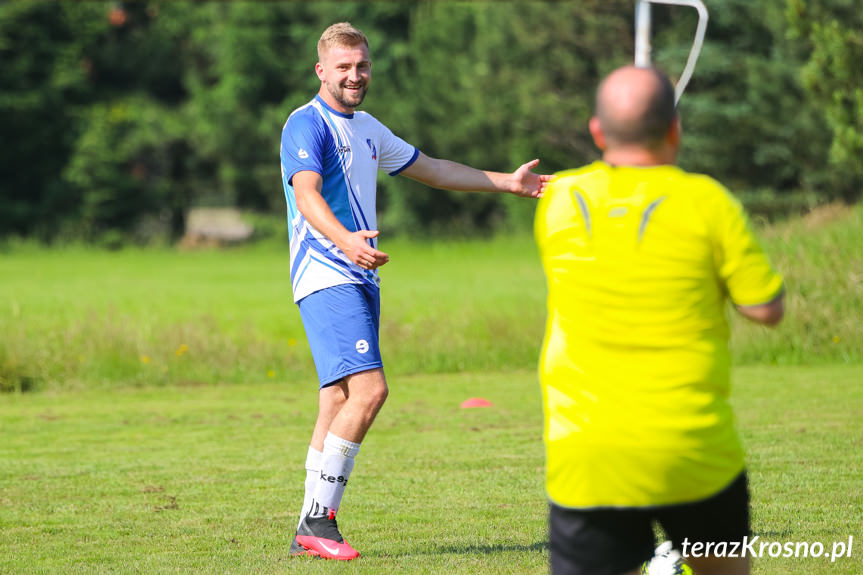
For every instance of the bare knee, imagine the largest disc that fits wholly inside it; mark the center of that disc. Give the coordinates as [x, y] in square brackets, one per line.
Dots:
[368, 390]
[332, 398]
[379, 395]
[371, 397]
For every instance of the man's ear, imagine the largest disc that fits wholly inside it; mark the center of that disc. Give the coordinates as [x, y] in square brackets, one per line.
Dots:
[319, 70]
[596, 132]
[674, 133]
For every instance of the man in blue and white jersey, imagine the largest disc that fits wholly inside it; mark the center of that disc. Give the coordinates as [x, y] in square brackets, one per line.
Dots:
[330, 157]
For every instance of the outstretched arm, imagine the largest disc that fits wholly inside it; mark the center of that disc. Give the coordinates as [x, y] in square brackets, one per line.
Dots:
[449, 175]
[313, 206]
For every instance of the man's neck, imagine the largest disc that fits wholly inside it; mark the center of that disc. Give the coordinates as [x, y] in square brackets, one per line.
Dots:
[638, 157]
[332, 103]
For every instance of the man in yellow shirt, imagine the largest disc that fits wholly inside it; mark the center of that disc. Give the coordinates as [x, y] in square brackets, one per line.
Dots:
[641, 258]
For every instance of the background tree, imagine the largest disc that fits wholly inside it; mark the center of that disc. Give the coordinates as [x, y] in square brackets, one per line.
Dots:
[43, 96]
[746, 116]
[831, 33]
[117, 117]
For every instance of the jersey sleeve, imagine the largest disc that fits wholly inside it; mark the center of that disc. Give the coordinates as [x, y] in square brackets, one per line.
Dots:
[396, 155]
[302, 145]
[742, 265]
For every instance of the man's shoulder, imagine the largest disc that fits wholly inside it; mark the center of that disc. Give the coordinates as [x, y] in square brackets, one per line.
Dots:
[700, 180]
[676, 180]
[571, 175]
[305, 125]
[366, 119]
[307, 113]
[575, 173]
[590, 176]
[704, 190]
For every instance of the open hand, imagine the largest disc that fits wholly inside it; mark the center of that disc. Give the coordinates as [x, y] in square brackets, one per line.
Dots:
[527, 184]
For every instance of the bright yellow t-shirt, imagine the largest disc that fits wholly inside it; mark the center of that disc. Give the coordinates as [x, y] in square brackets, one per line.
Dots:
[635, 364]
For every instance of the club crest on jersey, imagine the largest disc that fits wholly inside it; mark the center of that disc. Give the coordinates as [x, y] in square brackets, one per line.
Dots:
[372, 148]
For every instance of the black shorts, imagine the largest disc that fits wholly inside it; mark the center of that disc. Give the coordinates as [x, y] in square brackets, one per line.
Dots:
[611, 541]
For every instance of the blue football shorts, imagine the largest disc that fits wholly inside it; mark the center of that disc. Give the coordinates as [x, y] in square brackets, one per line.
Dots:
[342, 324]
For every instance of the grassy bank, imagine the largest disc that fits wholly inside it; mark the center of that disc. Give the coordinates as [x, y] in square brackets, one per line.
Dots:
[821, 257]
[78, 318]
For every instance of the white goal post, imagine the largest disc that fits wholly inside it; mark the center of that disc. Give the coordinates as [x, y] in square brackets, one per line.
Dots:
[642, 37]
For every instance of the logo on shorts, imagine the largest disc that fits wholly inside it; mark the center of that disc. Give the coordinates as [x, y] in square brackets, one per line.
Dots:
[302, 154]
[362, 346]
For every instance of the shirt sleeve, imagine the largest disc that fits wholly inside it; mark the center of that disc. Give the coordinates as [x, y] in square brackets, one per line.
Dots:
[742, 265]
[396, 155]
[303, 144]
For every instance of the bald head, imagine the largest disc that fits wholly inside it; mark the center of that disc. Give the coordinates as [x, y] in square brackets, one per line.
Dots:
[635, 107]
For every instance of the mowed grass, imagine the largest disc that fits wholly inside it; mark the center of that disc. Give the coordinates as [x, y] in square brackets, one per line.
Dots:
[208, 479]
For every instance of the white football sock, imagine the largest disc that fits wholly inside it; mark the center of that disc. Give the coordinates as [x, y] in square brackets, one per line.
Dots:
[336, 465]
[313, 472]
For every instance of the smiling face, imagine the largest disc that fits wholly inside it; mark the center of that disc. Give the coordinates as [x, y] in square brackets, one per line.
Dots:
[345, 73]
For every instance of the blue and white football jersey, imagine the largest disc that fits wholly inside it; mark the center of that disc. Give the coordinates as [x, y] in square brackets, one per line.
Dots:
[347, 150]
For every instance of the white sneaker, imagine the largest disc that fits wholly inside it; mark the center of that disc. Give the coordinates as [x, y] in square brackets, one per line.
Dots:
[666, 561]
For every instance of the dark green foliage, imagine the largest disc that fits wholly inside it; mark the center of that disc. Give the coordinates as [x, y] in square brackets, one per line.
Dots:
[746, 118]
[831, 33]
[116, 117]
[487, 88]
[42, 84]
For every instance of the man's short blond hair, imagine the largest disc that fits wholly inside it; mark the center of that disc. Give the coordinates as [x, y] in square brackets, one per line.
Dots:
[342, 34]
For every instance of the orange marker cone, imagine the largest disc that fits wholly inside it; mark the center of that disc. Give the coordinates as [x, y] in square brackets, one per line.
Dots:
[476, 402]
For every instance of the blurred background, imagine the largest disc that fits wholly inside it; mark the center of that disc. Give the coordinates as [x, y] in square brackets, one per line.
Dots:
[154, 397]
[141, 122]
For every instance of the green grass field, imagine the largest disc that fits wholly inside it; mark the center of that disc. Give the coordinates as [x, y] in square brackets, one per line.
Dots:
[157, 409]
[208, 479]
